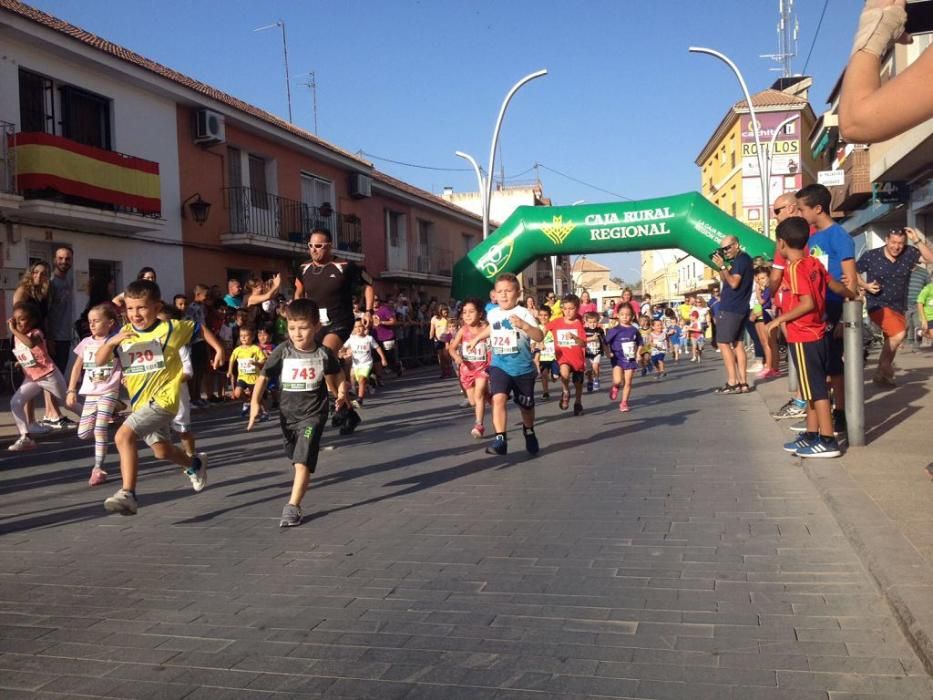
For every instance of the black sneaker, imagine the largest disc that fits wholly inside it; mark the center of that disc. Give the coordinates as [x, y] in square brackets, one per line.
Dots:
[578, 409]
[500, 447]
[589, 387]
[340, 417]
[531, 442]
[352, 420]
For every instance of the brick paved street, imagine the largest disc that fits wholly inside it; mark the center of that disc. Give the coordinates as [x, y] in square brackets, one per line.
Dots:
[673, 552]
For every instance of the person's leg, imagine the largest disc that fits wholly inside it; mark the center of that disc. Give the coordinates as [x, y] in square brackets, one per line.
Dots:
[528, 418]
[88, 419]
[627, 384]
[172, 453]
[299, 484]
[479, 399]
[765, 343]
[106, 405]
[729, 362]
[125, 440]
[499, 412]
[565, 385]
[361, 390]
[27, 391]
[741, 362]
[888, 351]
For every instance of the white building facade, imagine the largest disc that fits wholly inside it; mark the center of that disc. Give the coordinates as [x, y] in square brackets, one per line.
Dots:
[89, 159]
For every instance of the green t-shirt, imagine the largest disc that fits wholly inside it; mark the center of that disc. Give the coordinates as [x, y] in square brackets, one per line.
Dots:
[926, 299]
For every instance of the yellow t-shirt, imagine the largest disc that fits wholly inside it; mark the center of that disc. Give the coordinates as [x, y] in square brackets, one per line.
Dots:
[247, 359]
[152, 364]
[556, 312]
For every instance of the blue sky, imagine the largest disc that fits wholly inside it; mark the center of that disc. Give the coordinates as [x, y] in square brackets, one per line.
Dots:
[625, 106]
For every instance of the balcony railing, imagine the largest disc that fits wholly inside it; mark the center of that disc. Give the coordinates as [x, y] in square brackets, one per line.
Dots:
[269, 216]
[45, 166]
[419, 261]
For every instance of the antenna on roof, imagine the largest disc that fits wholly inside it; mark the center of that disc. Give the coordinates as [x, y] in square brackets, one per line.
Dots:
[288, 87]
[788, 29]
[311, 83]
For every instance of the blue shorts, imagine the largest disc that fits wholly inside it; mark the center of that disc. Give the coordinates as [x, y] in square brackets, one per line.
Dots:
[657, 357]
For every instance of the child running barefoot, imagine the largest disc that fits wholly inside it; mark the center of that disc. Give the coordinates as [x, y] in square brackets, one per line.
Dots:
[152, 370]
[658, 339]
[473, 361]
[306, 371]
[40, 373]
[361, 345]
[624, 342]
[595, 348]
[100, 387]
[570, 343]
[545, 355]
[247, 359]
[511, 329]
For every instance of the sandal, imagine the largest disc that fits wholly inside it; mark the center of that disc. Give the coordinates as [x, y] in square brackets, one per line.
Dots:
[743, 388]
[564, 402]
[728, 389]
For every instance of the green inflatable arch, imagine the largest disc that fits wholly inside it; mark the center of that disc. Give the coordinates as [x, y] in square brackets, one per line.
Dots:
[687, 221]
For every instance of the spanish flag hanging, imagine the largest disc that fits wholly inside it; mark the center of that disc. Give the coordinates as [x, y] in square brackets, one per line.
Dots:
[48, 162]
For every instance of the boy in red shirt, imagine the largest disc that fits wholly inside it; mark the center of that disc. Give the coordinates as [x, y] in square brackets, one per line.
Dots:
[803, 313]
[570, 344]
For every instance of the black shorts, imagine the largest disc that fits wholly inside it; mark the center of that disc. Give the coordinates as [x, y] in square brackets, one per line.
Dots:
[303, 440]
[199, 356]
[834, 366]
[811, 360]
[243, 385]
[729, 327]
[522, 387]
[341, 330]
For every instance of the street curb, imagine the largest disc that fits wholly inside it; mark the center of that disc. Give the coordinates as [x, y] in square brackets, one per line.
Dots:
[903, 575]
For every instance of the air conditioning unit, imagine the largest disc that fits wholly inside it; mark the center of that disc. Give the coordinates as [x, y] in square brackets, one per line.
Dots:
[361, 186]
[209, 127]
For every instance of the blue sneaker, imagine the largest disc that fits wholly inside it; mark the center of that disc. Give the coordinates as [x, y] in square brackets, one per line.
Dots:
[531, 441]
[820, 449]
[498, 447]
[805, 440]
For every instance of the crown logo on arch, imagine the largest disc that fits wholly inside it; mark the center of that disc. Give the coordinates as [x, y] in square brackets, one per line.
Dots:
[558, 231]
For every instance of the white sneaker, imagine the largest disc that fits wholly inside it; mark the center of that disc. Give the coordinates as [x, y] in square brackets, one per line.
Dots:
[38, 429]
[122, 502]
[24, 443]
[199, 477]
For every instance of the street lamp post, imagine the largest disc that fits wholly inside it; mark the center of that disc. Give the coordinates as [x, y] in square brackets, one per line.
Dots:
[770, 159]
[481, 183]
[495, 141]
[765, 203]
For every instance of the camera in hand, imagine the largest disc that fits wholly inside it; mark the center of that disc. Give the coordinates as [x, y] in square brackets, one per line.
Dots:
[721, 252]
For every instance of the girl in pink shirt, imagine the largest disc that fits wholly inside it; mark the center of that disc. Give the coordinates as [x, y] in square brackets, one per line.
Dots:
[40, 372]
[100, 388]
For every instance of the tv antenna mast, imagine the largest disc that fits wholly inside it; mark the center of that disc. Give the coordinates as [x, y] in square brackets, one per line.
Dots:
[788, 28]
[311, 84]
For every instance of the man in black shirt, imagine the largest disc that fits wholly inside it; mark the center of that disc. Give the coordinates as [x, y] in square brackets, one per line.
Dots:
[332, 283]
[737, 278]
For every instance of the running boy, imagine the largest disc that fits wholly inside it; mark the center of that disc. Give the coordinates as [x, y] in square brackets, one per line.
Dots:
[804, 308]
[570, 343]
[361, 345]
[644, 350]
[511, 329]
[247, 359]
[624, 341]
[595, 348]
[307, 371]
[149, 351]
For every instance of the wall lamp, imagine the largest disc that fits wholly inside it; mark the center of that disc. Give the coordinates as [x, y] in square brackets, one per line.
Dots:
[199, 208]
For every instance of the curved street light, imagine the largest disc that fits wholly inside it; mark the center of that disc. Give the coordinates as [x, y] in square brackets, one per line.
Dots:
[770, 159]
[495, 140]
[765, 189]
[479, 181]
